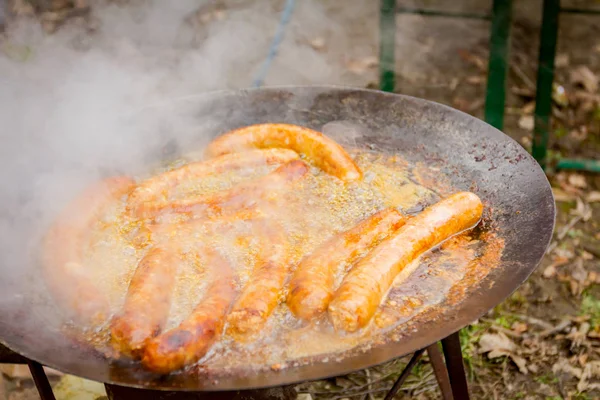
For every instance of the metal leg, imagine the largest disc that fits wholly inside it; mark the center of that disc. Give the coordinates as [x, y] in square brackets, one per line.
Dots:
[411, 364]
[455, 367]
[41, 380]
[498, 63]
[440, 371]
[387, 44]
[545, 77]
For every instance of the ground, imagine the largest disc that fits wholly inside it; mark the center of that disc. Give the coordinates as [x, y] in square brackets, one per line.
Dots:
[544, 341]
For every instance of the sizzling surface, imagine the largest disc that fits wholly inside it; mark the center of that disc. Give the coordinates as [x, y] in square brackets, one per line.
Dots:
[317, 208]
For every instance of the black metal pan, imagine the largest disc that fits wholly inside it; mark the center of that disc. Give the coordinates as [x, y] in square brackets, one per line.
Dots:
[476, 156]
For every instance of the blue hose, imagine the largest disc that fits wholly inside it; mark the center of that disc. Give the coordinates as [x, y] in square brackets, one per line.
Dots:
[285, 18]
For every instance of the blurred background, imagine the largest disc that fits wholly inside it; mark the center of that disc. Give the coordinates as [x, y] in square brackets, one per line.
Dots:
[62, 60]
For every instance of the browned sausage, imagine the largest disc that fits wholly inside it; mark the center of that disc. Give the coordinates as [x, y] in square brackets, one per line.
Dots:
[147, 302]
[63, 247]
[241, 197]
[190, 341]
[312, 284]
[156, 190]
[362, 290]
[323, 151]
[263, 292]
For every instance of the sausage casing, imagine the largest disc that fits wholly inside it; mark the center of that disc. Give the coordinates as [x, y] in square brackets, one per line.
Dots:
[323, 151]
[154, 192]
[243, 196]
[264, 290]
[362, 290]
[147, 302]
[187, 343]
[312, 285]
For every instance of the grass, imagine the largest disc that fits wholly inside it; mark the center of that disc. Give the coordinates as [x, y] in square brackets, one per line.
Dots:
[547, 379]
[590, 305]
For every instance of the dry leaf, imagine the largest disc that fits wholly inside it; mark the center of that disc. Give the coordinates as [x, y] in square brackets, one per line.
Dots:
[519, 327]
[520, 362]
[496, 343]
[577, 180]
[563, 366]
[475, 80]
[583, 76]
[582, 210]
[362, 65]
[549, 272]
[526, 122]
[591, 370]
[317, 43]
[562, 196]
[528, 108]
[593, 197]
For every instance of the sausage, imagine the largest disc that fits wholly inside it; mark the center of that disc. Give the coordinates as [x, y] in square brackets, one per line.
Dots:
[147, 302]
[63, 246]
[321, 150]
[187, 343]
[156, 190]
[239, 198]
[264, 289]
[362, 290]
[312, 284]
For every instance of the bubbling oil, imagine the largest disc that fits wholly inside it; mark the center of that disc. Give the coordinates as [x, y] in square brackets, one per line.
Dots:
[308, 212]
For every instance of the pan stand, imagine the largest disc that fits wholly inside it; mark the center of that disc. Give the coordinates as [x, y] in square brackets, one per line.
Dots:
[450, 376]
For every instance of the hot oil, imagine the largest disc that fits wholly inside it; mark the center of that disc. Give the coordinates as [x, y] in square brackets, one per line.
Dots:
[316, 208]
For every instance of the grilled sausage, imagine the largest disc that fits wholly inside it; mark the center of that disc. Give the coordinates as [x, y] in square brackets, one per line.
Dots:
[312, 284]
[187, 343]
[147, 303]
[362, 290]
[262, 293]
[156, 190]
[323, 151]
[63, 248]
[240, 197]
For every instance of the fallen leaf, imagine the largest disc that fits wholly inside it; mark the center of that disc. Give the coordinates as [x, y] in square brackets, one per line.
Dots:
[519, 327]
[577, 180]
[562, 196]
[563, 366]
[475, 80]
[593, 197]
[496, 343]
[591, 370]
[583, 76]
[582, 210]
[579, 273]
[549, 272]
[528, 108]
[520, 362]
[527, 122]
[317, 43]
[362, 65]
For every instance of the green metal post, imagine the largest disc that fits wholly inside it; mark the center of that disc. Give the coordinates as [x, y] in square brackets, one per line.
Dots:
[545, 77]
[498, 63]
[387, 44]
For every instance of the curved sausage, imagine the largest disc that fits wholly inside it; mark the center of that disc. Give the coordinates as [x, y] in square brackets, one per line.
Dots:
[243, 196]
[263, 291]
[157, 189]
[148, 301]
[63, 246]
[187, 343]
[312, 284]
[362, 290]
[323, 151]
